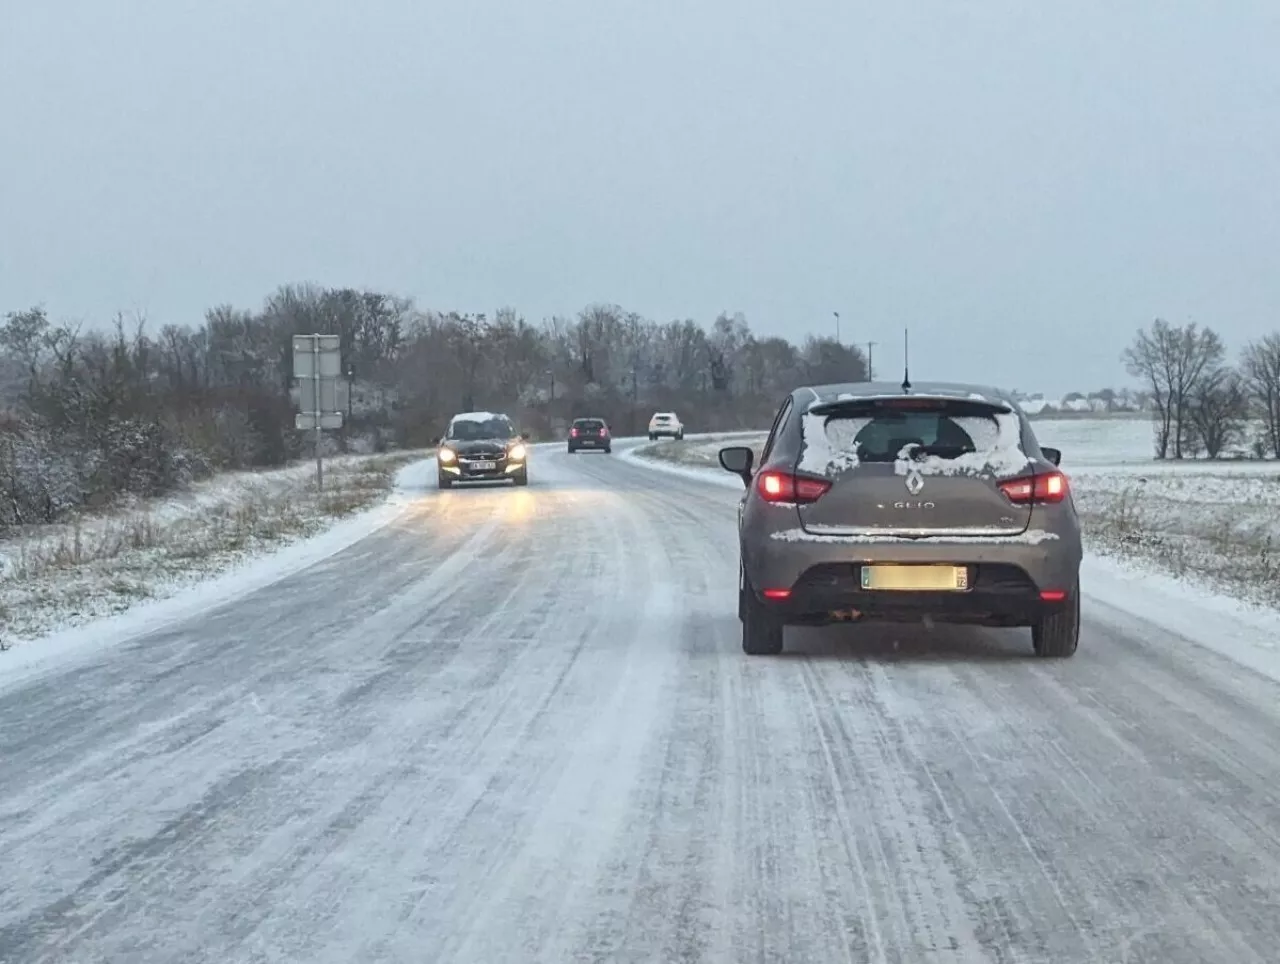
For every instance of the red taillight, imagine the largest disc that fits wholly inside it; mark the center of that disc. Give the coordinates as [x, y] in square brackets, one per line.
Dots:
[573, 433]
[1050, 487]
[777, 594]
[786, 487]
[604, 432]
[1053, 595]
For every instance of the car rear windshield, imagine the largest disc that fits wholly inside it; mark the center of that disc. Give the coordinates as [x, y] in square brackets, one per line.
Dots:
[942, 431]
[592, 423]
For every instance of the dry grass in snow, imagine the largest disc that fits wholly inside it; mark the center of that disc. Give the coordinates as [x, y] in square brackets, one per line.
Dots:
[702, 453]
[52, 577]
[1205, 521]
[1216, 522]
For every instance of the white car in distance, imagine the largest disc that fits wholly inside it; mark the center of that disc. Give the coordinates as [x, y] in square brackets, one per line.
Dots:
[665, 424]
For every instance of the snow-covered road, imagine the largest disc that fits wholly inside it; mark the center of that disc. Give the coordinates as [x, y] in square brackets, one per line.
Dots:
[516, 725]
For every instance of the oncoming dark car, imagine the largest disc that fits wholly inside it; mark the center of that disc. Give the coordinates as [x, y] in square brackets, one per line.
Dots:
[871, 502]
[482, 447]
[589, 433]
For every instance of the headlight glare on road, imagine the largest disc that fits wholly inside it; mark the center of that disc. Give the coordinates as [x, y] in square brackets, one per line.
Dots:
[517, 452]
[447, 456]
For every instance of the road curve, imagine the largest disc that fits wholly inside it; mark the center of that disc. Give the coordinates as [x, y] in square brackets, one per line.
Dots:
[516, 725]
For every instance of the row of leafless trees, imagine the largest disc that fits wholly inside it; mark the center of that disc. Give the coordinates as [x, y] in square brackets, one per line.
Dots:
[1202, 403]
[88, 416]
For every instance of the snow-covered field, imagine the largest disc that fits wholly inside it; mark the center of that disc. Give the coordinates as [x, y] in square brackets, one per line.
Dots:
[1216, 522]
[54, 577]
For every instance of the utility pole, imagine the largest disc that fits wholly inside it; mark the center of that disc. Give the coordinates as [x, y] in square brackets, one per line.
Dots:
[870, 370]
[837, 314]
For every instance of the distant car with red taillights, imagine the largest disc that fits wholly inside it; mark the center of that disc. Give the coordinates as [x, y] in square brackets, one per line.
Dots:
[590, 433]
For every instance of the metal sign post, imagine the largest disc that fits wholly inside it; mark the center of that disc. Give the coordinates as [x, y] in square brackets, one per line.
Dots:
[317, 367]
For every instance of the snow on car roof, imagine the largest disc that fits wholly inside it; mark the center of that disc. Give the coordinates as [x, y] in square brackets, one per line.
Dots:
[478, 417]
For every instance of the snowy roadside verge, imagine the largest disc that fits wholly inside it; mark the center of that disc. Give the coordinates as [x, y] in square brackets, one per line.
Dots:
[57, 578]
[696, 457]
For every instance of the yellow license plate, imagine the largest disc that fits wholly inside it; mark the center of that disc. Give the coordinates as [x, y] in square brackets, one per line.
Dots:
[916, 578]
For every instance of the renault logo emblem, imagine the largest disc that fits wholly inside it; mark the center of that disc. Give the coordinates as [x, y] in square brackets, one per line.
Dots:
[914, 482]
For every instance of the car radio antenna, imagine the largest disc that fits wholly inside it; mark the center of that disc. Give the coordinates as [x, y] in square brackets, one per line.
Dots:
[906, 361]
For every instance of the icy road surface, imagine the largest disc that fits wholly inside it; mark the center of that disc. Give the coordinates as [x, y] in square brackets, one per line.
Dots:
[516, 725]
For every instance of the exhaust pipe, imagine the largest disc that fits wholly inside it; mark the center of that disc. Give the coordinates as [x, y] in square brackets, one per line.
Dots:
[844, 615]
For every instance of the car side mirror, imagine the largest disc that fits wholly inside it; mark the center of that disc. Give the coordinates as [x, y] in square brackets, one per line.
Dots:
[1053, 455]
[738, 459]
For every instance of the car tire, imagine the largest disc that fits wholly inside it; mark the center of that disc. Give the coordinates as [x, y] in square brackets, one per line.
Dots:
[521, 478]
[679, 436]
[607, 450]
[1057, 635]
[572, 450]
[761, 628]
[444, 482]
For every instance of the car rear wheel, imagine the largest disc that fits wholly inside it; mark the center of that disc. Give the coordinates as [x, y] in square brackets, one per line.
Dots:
[1057, 635]
[607, 450]
[679, 436]
[761, 628]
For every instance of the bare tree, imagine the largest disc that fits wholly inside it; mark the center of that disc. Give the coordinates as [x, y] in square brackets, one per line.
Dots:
[1218, 410]
[1171, 361]
[1260, 367]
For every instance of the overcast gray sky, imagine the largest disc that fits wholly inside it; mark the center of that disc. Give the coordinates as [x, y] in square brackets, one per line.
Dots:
[1022, 183]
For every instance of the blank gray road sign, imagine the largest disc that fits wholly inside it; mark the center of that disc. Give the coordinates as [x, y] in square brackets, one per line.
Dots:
[328, 400]
[305, 420]
[305, 359]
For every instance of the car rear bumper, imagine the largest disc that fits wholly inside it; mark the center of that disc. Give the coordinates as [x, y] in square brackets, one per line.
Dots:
[997, 596]
[588, 443]
[1014, 584]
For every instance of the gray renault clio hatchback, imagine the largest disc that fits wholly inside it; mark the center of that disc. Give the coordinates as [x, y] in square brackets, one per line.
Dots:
[875, 502]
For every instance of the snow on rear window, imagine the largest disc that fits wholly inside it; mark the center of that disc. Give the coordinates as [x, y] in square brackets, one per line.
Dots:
[928, 442]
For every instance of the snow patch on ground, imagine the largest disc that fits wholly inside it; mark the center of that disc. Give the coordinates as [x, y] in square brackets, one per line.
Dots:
[133, 560]
[698, 458]
[1244, 633]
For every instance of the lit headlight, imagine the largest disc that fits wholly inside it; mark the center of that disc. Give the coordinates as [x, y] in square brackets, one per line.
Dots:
[517, 452]
[447, 456]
